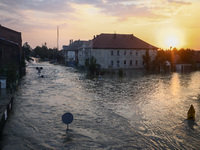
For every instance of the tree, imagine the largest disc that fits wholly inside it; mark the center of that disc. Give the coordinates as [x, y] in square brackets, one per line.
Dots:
[186, 56]
[27, 51]
[42, 52]
[92, 65]
[147, 60]
[160, 60]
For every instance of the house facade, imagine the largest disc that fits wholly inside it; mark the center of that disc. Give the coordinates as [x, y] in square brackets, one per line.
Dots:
[84, 52]
[117, 51]
[11, 35]
[72, 52]
[11, 55]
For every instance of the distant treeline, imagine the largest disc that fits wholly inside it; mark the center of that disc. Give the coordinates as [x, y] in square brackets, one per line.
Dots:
[42, 52]
[175, 56]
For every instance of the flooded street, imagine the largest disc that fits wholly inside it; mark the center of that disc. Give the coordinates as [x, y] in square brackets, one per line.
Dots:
[139, 111]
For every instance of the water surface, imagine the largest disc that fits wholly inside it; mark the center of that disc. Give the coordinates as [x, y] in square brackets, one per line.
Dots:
[139, 111]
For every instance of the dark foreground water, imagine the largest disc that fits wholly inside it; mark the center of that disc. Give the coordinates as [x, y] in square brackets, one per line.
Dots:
[139, 111]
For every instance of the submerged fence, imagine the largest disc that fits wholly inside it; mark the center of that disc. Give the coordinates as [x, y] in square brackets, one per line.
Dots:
[6, 114]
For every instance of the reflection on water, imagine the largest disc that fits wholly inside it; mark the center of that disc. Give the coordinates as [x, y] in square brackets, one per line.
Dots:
[139, 111]
[175, 85]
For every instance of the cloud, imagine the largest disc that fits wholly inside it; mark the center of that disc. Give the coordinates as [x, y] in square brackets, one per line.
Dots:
[33, 13]
[180, 2]
[51, 6]
[76, 16]
[121, 9]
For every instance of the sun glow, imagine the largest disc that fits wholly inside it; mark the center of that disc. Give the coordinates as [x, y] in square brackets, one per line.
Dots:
[170, 38]
[172, 41]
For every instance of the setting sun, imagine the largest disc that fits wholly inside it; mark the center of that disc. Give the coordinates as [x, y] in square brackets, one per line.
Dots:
[170, 37]
[162, 23]
[172, 41]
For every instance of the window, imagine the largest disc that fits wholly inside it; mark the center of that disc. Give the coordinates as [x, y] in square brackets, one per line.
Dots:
[131, 53]
[118, 63]
[112, 63]
[136, 62]
[117, 52]
[125, 52]
[131, 62]
[124, 62]
[111, 53]
[136, 53]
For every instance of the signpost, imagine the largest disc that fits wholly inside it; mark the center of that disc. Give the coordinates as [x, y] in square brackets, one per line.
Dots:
[67, 118]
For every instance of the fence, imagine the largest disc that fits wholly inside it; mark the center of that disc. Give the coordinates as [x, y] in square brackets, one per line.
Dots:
[6, 114]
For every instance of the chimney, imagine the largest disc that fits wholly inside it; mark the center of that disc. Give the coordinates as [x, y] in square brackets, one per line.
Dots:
[70, 41]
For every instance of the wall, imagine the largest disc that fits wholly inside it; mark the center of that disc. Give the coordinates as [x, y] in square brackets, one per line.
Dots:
[121, 58]
[10, 53]
[11, 35]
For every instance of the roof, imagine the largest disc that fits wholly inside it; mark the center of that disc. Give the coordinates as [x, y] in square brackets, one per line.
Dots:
[86, 44]
[75, 45]
[5, 28]
[65, 47]
[120, 41]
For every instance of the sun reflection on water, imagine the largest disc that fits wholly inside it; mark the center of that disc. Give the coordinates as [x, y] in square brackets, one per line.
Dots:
[175, 85]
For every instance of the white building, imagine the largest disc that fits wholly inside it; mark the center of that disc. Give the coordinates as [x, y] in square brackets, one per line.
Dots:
[71, 52]
[116, 51]
[84, 52]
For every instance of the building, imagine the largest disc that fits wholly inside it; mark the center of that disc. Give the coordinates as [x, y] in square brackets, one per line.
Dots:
[11, 35]
[72, 52]
[84, 52]
[116, 51]
[11, 55]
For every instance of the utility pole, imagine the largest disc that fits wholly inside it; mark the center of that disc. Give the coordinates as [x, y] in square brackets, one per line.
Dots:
[58, 37]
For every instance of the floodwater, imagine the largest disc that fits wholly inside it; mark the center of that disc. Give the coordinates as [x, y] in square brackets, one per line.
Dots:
[139, 111]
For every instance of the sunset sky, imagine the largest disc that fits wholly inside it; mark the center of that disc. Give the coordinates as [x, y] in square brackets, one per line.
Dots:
[162, 23]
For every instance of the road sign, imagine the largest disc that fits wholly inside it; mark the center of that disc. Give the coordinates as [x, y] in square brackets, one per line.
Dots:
[67, 118]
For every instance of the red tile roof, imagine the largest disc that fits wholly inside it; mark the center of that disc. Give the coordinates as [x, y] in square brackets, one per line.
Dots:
[120, 41]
